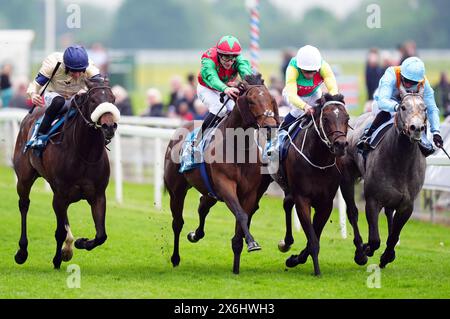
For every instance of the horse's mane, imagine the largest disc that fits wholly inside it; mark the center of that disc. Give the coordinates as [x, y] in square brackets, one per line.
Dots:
[254, 79]
[328, 97]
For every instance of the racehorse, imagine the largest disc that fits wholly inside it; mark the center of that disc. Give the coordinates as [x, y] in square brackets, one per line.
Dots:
[238, 183]
[393, 174]
[311, 175]
[76, 167]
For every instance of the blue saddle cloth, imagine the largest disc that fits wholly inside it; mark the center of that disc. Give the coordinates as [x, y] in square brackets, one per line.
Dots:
[282, 143]
[56, 125]
[192, 157]
[378, 135]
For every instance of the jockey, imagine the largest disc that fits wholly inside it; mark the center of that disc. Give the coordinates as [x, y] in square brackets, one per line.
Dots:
[411, 74]
[220, 66]
[74, 67]
[304, 75]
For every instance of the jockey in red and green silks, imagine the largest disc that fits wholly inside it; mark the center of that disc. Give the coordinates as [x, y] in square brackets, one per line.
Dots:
[220, 67]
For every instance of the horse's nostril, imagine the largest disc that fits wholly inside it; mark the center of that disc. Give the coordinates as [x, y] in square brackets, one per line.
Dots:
[422, 128]
[412, 127]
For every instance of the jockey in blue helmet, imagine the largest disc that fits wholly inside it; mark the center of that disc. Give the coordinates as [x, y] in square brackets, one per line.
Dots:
[70, 69]
[411, 74]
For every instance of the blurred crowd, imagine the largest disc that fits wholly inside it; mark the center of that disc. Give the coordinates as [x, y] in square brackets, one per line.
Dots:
[182, 101]
[379, 60]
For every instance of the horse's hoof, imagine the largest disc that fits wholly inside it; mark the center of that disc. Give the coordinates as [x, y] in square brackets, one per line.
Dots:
[292, 261]
[191, 237]
[283, 247]
[367, 250]
[57, 263]
[360, 258]
[80, 243]
[21, 256]
[253, 246]
[386, 258]
[66, 254]
[175, 260]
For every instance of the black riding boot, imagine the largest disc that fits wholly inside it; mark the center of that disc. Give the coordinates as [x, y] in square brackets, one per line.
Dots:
[288, 120]
[208, 123]
[50, 114]
[364, 141]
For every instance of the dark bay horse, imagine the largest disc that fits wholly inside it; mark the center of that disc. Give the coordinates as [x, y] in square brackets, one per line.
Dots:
[238, 183]
[76, 166]
[393, 175]
[312, 176]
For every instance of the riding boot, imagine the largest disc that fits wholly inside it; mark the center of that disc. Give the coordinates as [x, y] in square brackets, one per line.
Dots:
[208, 123]
[364, 141]
[288, 120]
[49, 116]
[425, 145]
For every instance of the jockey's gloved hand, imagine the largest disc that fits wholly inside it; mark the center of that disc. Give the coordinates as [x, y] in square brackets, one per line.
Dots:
[437, 139]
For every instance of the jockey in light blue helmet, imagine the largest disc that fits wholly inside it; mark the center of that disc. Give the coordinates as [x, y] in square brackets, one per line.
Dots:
[411, 75]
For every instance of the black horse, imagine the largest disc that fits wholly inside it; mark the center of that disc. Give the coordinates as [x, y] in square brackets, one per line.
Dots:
[311, 175]
[76, 167]
[393, 175]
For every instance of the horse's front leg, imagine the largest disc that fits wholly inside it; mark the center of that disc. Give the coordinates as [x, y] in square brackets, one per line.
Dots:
[285, 244]
[373, 208]
[98, 209]
[400, 219]
[60, 207]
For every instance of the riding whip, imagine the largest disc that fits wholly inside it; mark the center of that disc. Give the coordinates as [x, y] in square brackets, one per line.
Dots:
[45, 87]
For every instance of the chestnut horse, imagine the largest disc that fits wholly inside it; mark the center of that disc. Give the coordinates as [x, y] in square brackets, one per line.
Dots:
[312, 176]
[238, 183]
[76, 167]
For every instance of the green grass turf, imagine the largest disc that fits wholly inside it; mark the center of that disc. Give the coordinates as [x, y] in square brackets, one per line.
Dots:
[135, 260]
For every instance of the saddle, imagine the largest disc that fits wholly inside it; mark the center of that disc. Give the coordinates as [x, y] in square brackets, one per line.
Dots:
[55, 129]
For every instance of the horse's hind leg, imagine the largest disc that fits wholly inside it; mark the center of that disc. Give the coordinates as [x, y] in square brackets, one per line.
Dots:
[176, 206]
[389, 212]
[400, 219]
[288, 204]
[98, 210]
[24, 184]
[206, 202]
[372, 212]
[60, 208]
[348, 193]
[67, 250]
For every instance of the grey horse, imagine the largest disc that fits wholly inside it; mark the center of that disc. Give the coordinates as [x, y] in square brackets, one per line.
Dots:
[393, 175]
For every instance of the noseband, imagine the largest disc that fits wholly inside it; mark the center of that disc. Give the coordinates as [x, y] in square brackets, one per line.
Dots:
[88, 93]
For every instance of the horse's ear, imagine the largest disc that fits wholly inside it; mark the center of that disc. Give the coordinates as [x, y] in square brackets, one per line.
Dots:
[421, 89]
[402, 91]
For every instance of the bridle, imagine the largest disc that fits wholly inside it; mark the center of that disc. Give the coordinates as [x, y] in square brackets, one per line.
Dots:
[325, 138]
[267, 113]
[88, 122]
[400, 123]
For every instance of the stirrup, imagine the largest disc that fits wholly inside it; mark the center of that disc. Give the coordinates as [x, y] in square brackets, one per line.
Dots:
[364, 143]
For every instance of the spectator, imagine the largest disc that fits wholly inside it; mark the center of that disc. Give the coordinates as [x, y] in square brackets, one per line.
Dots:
[408, 49]
[442, 94]
[201, 110]
[276, 83]
[283, 108]
[189, 94]
[192, 81]
[123, 101]
[20, 97]
[6, 91]
[183, 111]
[99, 56]
[176, 92]
[154, 101]
[373, 72]
[287, 55]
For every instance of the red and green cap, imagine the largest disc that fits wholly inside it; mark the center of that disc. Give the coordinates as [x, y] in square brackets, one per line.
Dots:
[229, 45]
